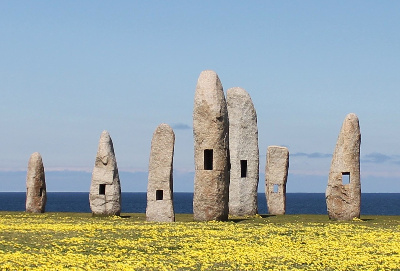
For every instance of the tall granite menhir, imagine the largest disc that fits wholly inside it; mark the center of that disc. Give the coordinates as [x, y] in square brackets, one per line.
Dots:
[211, 143]
[343, 193]
[105, 189]
[35, 185]
[276, 172]
[160, 206]
[243, 150]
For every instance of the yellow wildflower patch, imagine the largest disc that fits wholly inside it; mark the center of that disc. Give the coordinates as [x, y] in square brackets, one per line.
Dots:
[57, 242]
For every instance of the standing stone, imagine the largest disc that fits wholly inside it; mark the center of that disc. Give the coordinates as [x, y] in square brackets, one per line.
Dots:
[343, 193]
[211, 143]
[276, 172]
[160, 206]
[35, 185]
[244, 155]
[105, 189]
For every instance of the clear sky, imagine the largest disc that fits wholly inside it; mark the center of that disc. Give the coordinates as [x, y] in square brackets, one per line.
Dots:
[71, 69]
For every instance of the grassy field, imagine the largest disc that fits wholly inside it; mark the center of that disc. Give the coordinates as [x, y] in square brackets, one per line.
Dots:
[79, 241]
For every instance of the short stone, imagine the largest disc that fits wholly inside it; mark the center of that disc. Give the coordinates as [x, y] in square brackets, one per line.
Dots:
[36, 196]
[105, 188]
[276, 173]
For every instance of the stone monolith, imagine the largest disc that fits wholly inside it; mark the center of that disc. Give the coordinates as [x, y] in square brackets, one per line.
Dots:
[105, 189]
[343, 193]
[35, 185]
[276, 172]
[160, 206]
[243, 150]
[211, 144]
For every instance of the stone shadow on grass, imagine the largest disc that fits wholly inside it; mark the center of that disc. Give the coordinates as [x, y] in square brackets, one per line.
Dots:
[237, 220]
[266, 216]
[245, 218]
[367, 219]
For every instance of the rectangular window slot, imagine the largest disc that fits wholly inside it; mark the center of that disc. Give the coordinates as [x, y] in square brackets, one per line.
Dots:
[159, 194]
[243, 168]
[208, 159]
[41, 192]
[276, 188]
[345, 177]
[102, 189]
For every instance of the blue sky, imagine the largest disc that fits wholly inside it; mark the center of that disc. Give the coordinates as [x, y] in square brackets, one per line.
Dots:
[71, 69]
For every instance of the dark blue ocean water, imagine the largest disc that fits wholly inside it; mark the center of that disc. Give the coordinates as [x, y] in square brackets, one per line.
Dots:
[296, 203]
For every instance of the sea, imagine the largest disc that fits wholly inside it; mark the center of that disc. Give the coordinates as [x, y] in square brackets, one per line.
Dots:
[296, 203]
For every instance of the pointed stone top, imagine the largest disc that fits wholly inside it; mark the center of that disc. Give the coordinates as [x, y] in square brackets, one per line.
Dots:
[351, 117]
[105, 135]
[208, 80]
[36, 156]
[105, 139]
[105, 149]
[35, 161]
[350, 124]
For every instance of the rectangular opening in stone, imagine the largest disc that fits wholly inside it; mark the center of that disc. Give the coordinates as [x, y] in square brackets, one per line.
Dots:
[40, 192]
[159, 194]
[243, 168]
[102, 189]
[276, 188]
[208, 159]
[345, 177]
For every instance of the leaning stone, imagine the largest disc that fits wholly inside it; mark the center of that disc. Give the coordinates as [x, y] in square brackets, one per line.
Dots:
[243, 150]
[160, 206]
[276, 173]
[105, 189]
[211, 143]
[343, 193]
[35, 185]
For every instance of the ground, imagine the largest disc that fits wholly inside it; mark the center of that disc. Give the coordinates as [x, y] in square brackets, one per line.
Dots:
[287, 242]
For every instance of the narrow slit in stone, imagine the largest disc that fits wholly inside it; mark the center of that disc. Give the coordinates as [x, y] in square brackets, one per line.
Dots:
[208, 159]
[102, 189]
[243, 168]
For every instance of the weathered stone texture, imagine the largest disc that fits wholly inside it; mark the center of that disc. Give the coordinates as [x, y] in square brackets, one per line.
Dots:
[211, 143]
[343, 200]
[35, 185]
[160, 182]
[105, 189]
[276, 172]
[244, 154]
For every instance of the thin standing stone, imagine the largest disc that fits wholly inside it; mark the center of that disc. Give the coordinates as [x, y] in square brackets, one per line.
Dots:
[160, 206]
[105, 189]
[276, 173]
[343, 193]
[244, 154]
[36, 196]
[211, 143]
